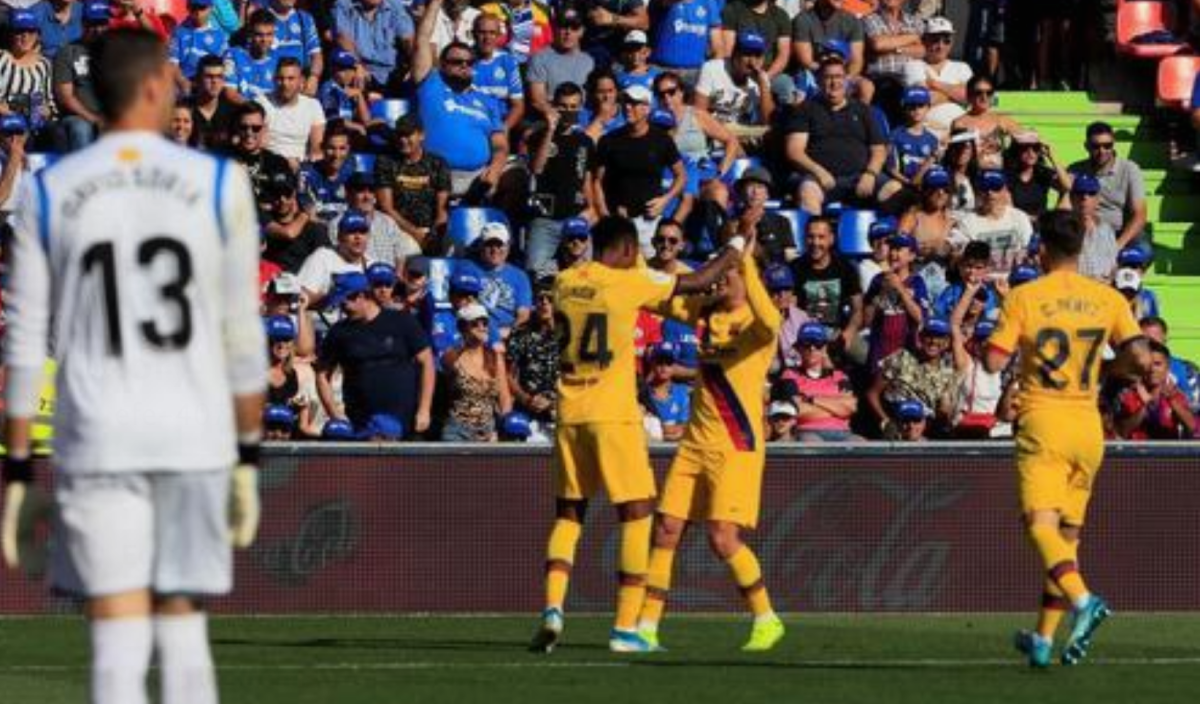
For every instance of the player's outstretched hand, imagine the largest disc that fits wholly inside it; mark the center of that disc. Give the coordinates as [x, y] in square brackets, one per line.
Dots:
[244, 507]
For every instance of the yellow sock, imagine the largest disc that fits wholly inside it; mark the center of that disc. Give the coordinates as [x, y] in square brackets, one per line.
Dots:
[1058, 556]
[560, 555]
[1054, 607]
[748, 575]
[658, 583]
[635, 554]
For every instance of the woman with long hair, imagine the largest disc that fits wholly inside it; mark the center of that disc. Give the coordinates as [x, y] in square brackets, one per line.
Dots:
[959, 160]
[25, 74]
[477, 381]
[1032, 173]
[992, 129]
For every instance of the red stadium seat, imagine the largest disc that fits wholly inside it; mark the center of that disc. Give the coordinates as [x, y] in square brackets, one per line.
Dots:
[1176, 76]
[176, 9]
[1136, 18]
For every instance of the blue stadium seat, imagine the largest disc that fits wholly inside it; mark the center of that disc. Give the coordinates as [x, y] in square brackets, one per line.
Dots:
[389, 110]
[881, 119]
[852, 230]
[363, 163]
[740, 166]
[465, 223]
[798, 219]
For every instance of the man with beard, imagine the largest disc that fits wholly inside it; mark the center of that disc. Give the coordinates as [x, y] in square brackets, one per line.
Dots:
[414, 188]
[249, 148]
[562, 154]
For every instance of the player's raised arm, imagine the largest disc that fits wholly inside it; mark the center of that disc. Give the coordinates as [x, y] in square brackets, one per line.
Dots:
[707, 276]
[767, 319]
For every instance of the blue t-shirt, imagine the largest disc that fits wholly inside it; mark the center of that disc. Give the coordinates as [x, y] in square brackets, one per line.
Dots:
[190, 43]
[680, 34]
[500, 79]
[54, 35]
[586, 117]
[1196, 93]
[687, 345]
[334, 101]
[908, 151]
[327, 195]
[946, 302]
[374, 39]
[250, 76]
[458, 126]
[506, 290]
[675, 408]
[645, 80]
[296, 36]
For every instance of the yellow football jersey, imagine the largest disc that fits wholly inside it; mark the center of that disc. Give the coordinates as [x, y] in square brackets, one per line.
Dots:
[1060, 325]
[597, 310]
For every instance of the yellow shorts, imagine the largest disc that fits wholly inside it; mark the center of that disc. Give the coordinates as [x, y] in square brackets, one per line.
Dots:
[714, 485]
[612, 456]
[1058, 456]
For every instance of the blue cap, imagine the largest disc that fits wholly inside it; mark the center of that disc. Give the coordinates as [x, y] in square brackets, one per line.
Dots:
[1022, 274]
[1133, 257]
[280, 328]
[466, 282]
[812, 333]
[516, 425]
[937, 327]
[343, 59]
[23, 21]
[916, 95]
[663, 351]
[881, 228]
[277, 415]
[383, 425]
[13, 123]
[834, 46]
[991, 180]
[345, 285]
[381, 274]
[750, 43]
[661, 117]
[902, 240]
[779, 277]
[936, 177]
[1085, 184]
[576, 229]
[97, 13]
[353, 221]
[337, 429]
[984, 329]
[911, 409]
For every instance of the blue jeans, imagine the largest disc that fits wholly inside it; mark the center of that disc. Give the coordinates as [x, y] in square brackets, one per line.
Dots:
[74, 133]
[544, 237]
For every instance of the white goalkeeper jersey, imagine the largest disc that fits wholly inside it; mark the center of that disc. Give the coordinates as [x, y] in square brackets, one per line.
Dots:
[138, 259]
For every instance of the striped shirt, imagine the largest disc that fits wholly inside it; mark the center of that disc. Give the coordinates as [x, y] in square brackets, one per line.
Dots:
[1098, 260]
[24, 86]
[878, 25]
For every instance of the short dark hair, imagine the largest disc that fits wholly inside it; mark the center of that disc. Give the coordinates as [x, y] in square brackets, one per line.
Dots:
[456, 44]
[830, 59]
[1155, 321]
[820, 220]
[973, 83]
[251, 108]
[335, 128]
[1061, 233]
[1158, 347]
[210, 61]
[977, 251]
[1098, 128]
[122, 60]
[258, 18]
[611, 231]
[289, 62]
[567, 89]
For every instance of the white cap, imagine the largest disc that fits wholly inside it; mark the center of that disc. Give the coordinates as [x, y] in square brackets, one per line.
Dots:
[939, 25]
[1128, 279]
[964, 136]
[471, 312]
[636, 36]
[638, 94]
[782, 408]
[495, 231]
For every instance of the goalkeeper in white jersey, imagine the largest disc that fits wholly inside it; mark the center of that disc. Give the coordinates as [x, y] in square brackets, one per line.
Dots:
[139, 258]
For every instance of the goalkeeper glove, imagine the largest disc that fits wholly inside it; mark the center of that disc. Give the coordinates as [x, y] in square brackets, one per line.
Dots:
[244, 508]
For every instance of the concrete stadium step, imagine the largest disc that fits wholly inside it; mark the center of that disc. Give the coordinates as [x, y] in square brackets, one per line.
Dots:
[1180, 208]
[1049, 120]
[1069, 102]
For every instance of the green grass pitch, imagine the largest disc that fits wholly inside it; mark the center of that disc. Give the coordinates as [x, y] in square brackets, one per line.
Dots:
[825, 659]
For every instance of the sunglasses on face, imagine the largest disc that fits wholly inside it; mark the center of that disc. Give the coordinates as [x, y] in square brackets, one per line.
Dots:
[356, 296]
[252, 129]
[459, 61]
[939, 39]
[494, 244]
[478, 323]
[545, 298]
[669, 241]
[811, 345]
[667, 92]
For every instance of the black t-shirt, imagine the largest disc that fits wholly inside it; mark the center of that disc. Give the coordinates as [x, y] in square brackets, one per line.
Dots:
[414, 185]
[72, 65]
[262, 167]
[824, 294]
[775, 236]
[634, 167]
[839, 140]
[1031, 196]
[214, 132]
[290, 254]
[558, 191]
[770, 25]
[379, 374]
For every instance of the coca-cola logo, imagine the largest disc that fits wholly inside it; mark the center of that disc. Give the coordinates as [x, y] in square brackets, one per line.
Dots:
[328, 533]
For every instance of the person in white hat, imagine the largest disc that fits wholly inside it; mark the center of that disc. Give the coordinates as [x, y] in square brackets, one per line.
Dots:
[635, 66]
[507, 293]
[945, 78]
[477, 381]
[781, 421]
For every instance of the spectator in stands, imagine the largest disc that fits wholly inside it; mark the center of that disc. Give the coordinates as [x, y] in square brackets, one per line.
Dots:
[214, 112]
[279, 423]
[922, 372]
[507, 293]
[695, 129]
[818, 27]
[1132, 263]
[737, 90]
[317, 273]
[291, 383]
[456, 22]
[945, 78]
[462, 126]
[415, 284]
[910, 421]
[477, 381]
[296, 36]
[249, 148]
[781, 421]
[181, 129]
[838, 146]
[384, 356]
[197, 36]
[896, 301]
[383, 280]
[290, 236]
[533, 358]
[1122, 187]
[380, 34]
[630, 163]
[879, 236]
[25, 76]
[762, 19]
[250, 71]
[780, 283]
[1032, 173]
[563, 62]
[608, 21]
[668, 244]
[497, 72]
[971, 275]
[295, 122]
[980, 410]
[79, 110]
[602, 112]
[1099, 256]
[527, 29]
[913, 148]
[129, 14]
[386, 241]
[827, 286]
[1006, 229]
[323, 182]
[574, 248]
[771, 231]
[14, 135]
[634, 67]
[1183, 372]
[562, 177]
[684, 34]
[342, 96]
[931, 223]
[992, 130]
[61, 23]
[1153, 407]
[661, 395]
[413, 187]
[822, 394]
[959, 161]
[894, 38]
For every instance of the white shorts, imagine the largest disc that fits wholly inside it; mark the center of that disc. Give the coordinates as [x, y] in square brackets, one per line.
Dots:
[167, 532]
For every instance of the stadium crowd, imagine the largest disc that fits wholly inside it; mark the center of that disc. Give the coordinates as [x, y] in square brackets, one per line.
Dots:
[423, 170]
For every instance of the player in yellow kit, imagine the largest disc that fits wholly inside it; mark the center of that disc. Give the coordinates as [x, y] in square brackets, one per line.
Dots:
[599, 441]
[1060, 324]
[717, 474]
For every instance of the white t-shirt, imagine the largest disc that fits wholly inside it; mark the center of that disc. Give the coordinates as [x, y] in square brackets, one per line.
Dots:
[386, 242]
[288, 126]
[317, 271]
[956, 73]
[139, 259]
[727, 101]
[1008, 234]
